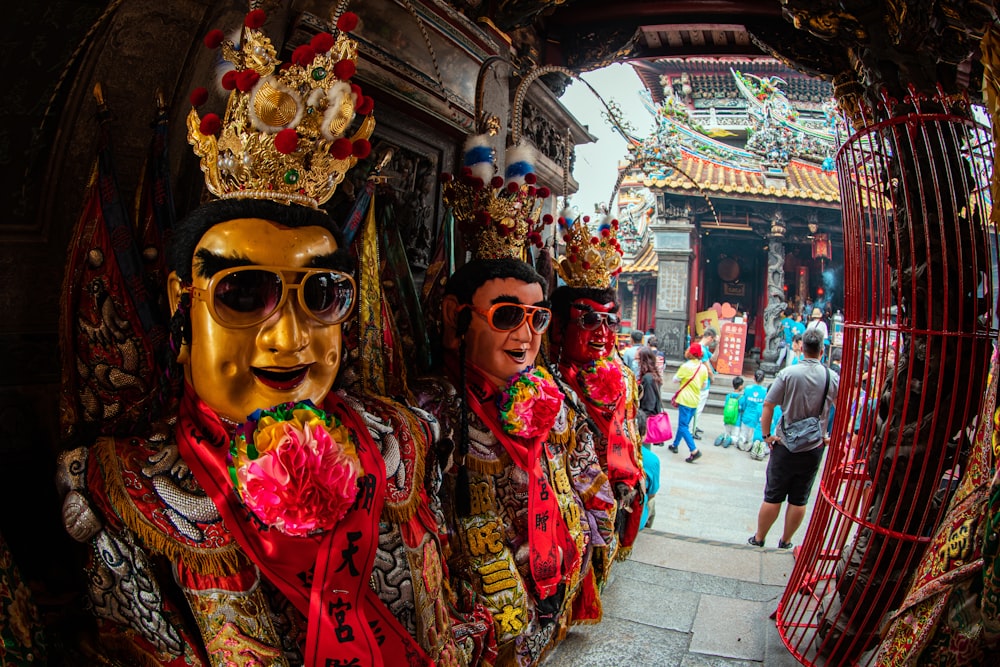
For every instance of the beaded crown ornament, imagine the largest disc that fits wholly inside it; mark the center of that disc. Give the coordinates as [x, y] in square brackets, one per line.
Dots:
[590, 260]
[282, 136]
[498, 218]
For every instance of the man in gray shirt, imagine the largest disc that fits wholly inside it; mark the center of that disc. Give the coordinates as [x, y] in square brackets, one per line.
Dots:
[799, 391]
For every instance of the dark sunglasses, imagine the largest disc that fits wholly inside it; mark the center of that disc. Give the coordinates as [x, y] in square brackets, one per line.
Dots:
[244, 296]
[510, 316]
[592, 320]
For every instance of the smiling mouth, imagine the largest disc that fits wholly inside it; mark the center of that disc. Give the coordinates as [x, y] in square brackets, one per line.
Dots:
[283, 379]
[520, 356]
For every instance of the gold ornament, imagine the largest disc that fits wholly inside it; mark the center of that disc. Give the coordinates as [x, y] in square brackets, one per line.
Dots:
[591, 260]
[282, 137]
[498, 219]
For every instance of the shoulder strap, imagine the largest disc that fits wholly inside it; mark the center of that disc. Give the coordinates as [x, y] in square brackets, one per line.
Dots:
[826, 389]
[700, 364]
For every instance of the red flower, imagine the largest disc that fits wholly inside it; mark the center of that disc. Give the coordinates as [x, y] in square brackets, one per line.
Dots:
[347, 22]
[210, 124]
[344, 69]
[365, 105]
[214, 38]
[229, 80]
[322, 42]
[255, 19]
[342, 148]
[303, 55]
[199, 96]
[362, 148]
[246, 80]
[286, 141]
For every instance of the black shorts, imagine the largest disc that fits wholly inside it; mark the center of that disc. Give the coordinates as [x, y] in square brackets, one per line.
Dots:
[791, 476]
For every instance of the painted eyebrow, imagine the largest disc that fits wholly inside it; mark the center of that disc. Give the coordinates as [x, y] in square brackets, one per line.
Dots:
[507, 298]
[208, 263]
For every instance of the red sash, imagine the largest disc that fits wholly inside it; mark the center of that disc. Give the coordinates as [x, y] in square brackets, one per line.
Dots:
[620, 450]
[325, 576]
[552, 553]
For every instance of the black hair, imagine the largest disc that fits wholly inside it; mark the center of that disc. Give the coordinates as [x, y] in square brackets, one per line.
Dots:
[758, 376]
[564, 296]
[190, 230]
[737, 382]
[636, 336]
[473, 275]
[812, 342]
[789, 311]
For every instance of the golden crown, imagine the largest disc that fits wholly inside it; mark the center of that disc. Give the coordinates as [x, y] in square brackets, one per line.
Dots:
[498, 219]
[282, 137]
[591, 260]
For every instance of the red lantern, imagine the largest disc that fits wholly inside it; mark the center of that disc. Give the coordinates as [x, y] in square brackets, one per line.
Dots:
[821, 247]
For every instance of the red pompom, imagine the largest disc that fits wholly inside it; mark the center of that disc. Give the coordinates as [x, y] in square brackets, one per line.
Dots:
[214, 38]
[342, 148]
[344, 69]
[586, 218]
[229, 80]
[246, 80]
[497, 182]
[513, 187]
[531, 190]
[362, 148]
[356, 89]
[483, 218]
[466, 171]
[322, 42]
[199, 96]
[530, 178]
[255, 19]
[605, 232]
[593, 240]
[303, 55]
[614, 223]
[446, 177]
[365, 105]
[544, 192]
[565, 238]
[347, 22]
[574, 258]
[286, 141]
[586, 266]
[547, 218]
[210, 124]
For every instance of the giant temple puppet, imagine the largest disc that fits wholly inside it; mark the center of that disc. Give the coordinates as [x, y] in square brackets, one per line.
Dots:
[527, 505]
[583, 351]
[266, 518]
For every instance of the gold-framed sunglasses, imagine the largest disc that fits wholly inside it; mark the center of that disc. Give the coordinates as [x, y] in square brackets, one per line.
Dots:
[244, 296]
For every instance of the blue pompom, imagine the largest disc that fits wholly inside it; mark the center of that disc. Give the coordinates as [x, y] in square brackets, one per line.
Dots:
[516, 169]
[478, 154]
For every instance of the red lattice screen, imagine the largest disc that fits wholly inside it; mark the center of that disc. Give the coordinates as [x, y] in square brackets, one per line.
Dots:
[920, 317]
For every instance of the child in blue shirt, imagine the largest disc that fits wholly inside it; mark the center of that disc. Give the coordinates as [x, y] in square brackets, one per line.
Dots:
[731, 414]
[751, 407]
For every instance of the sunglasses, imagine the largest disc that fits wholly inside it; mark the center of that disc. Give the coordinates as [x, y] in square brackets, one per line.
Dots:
[592, 320]
[245, 296]
[510, 316]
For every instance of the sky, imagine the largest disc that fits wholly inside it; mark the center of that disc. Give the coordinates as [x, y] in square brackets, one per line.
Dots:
[596, 168]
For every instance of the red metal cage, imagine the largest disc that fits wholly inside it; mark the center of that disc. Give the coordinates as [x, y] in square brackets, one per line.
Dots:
[920, 321]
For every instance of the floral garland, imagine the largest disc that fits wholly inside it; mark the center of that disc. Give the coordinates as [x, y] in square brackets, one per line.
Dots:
[530, 403]
[295, 467]
[602, 382]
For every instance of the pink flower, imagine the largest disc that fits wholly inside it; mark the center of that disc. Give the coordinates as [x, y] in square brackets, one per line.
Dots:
[296, 472]
[603, 382]
[530, 404]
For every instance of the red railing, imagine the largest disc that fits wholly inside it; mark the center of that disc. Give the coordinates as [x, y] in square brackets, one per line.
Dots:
[921, 285]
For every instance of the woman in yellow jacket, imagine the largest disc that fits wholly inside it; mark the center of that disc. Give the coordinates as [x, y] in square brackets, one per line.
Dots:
[691, 376]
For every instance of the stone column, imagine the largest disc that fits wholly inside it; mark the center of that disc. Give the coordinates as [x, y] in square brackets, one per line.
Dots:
[672, 237]
[774, 310]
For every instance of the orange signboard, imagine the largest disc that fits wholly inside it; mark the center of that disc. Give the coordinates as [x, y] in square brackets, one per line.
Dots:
[732, 343]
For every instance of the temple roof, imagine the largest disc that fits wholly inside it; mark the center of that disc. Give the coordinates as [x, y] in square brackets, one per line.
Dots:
[803, 182]
[645, 261]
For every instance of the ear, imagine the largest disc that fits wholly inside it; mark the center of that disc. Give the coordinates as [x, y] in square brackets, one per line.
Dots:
[174, 290]
[449, 320]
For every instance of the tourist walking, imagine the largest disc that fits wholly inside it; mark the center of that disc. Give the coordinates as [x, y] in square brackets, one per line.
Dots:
[691, 376]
